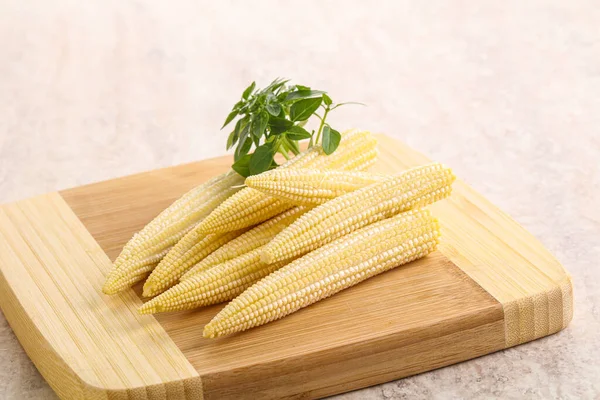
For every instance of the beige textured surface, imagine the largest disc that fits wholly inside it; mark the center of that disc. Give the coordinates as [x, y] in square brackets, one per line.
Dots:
[505, 92]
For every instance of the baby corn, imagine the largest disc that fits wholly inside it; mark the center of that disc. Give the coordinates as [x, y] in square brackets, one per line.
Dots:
[141, 254]
[220, 283]
[328, 270]
[310, 186]
[357, 151]
[414, 188]
[251, 240]
[184, 255]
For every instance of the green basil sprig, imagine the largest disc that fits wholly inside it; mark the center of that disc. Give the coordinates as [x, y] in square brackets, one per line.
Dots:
[271, 120]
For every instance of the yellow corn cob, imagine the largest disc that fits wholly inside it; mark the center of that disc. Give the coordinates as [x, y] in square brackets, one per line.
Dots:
[190, 250]
[251, 240]
[146, 248]
[414, 188]
[357, 151]
[310, 186]
[336, 266]
[220, 283]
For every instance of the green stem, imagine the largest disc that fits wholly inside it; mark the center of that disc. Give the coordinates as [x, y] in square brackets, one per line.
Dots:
[322, 125]
[281, 149]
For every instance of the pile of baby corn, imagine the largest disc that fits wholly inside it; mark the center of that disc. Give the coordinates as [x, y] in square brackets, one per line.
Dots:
[286, 239]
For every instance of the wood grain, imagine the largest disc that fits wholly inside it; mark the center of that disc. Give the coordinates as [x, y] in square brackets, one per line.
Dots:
[396, 324]
[499, 254]
[491, 285]
[52, 272]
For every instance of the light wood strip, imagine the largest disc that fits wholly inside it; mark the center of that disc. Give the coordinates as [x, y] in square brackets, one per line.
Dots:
[177, 365]
[496, 252]
[31, 317]
[109, 350]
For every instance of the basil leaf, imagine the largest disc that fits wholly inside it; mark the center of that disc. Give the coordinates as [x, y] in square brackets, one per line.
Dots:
[277, 122]
[244, 131]
[303, 109]
[297, 133]
[304, 94]
[302, 87]
[244, 126]
[279, 125]
[241, 166]
[238, 105]
[276, 84]
[283, 95]
[255, 139]
[251, 105]
[331, 139]
[248, 91]
[261, 159]
[348, 102]
[260, 124]
[327, 100]
[274, 109]
[242, 149]
[284, 112]
[230, 118]
[276, 131]
[232, 139]
[236, 131]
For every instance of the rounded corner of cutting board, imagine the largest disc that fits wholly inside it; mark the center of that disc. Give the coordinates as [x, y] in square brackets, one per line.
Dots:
[69, 380]
[84, 343]
[536, 315]
[567, 288]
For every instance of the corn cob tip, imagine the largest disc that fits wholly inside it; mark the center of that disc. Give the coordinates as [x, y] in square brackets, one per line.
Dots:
[152, 306]
[106, 289]
[149, 290]
[116, 283]
[266, 257]
[209, 331]
[112, 286]
[113, 290]
[149, 308]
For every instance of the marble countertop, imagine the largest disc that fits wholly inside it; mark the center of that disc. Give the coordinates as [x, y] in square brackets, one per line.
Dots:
[507, 93]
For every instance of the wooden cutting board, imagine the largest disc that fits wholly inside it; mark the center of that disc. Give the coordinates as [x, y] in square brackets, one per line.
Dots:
[490, 286]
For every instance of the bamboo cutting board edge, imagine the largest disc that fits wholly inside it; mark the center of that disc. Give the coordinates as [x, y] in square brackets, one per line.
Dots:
[508, 262]
[526, 295]
[83, 353]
